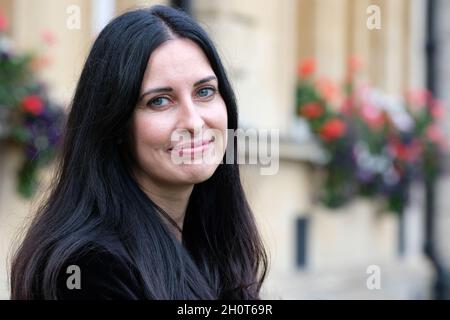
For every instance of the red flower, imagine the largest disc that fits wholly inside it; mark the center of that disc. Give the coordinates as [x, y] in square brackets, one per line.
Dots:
[306, 67]
[332, 129]
[311, 110]
[406, 152]
[3, 22]
[33, 104]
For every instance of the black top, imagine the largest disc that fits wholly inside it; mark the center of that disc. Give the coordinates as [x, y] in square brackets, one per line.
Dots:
[102, 275]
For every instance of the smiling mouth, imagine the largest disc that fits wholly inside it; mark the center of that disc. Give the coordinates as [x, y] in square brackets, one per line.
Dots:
[194, 147]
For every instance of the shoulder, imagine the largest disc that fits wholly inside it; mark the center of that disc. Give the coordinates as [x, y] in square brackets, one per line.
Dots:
[96, 273]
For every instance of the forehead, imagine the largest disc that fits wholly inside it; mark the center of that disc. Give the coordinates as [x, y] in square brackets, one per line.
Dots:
[175, 60]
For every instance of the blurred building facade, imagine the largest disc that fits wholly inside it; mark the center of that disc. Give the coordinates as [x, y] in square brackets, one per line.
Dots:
[316, 253]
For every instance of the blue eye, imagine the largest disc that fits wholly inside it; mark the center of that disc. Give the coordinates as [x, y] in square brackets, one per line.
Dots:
[158, 102]
[206, 92]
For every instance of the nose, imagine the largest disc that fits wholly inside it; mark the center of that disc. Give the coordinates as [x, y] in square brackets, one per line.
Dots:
[189, 117]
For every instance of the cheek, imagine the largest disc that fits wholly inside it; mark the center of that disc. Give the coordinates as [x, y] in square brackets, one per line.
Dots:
[218, 120]
[218, 116]
[150, 134]
[223, 119]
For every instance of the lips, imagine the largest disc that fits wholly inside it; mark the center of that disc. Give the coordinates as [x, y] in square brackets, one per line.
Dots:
[194, 146]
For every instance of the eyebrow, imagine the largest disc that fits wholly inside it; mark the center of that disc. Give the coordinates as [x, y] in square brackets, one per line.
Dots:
[169, 89]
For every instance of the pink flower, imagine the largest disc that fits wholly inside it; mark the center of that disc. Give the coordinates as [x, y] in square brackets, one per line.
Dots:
[40, 62]
[347, 105]
[48, 37]
[435, 134]
[328, 89]
[418, 98]
[3, 22]
[437, 109]
[354, 64]
[374, 117]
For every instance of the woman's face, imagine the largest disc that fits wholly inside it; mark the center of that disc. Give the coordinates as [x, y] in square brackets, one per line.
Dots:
[179, 107]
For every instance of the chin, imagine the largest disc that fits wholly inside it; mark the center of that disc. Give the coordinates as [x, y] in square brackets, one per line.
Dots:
[197, 174]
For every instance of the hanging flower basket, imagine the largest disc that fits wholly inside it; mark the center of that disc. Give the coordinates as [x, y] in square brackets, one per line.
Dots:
[377, 144]
[28, 118]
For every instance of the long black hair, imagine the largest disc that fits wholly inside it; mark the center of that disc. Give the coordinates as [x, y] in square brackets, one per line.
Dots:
[95, 199]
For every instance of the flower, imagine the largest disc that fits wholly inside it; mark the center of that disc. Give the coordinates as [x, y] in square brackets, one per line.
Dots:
[327, 89]
[347, 106]
[33, 104]
[418, 98]
[49, 37]
[28, 117]
[40, 62]
[376, 144]
[354, 64]
[3, 22]
[434, 134]
[406, 152]
[374, 117]
[311, 110]
[437, 110]
[332, 129]
[306, 67]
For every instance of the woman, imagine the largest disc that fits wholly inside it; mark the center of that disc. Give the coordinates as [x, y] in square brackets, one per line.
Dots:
[124, 220]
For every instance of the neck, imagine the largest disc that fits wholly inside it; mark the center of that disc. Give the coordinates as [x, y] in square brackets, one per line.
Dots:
[173, 203]
[173, 200]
